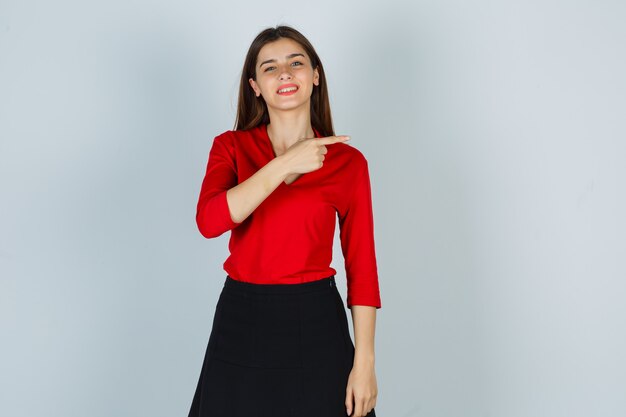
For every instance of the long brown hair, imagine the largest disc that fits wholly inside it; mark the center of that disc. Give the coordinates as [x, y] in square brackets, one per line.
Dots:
[252, 110]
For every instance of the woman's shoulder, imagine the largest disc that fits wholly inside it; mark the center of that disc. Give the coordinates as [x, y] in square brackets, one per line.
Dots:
[348, 154]
[230, 136]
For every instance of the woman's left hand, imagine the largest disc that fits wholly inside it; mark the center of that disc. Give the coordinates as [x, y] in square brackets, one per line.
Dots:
[362, 390]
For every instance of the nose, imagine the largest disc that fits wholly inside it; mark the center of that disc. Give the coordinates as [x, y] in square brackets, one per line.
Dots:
[285, 74]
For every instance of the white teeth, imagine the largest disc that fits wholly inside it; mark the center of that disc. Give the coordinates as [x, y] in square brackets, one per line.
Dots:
[284, 90]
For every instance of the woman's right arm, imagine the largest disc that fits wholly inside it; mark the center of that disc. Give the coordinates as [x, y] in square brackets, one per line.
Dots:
[244, 198]
[223, 204]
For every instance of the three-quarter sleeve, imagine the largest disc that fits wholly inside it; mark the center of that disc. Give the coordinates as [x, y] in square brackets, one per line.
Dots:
[357, 242]
[213, 214]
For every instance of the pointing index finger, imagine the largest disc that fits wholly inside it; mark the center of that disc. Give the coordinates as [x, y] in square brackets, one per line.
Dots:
[335, 139]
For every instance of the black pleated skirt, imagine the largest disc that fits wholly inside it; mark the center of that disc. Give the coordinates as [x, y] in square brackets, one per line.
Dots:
[276, 350]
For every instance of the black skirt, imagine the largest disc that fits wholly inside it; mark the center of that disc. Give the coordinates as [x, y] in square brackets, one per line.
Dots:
[276, 350]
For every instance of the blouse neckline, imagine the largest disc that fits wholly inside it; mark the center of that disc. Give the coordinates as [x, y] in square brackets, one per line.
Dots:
[273, 155]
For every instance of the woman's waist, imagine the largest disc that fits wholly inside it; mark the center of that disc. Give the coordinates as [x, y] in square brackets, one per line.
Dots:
[256, 285]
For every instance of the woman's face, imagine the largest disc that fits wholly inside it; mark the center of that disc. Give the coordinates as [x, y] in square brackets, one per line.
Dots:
[279, 64]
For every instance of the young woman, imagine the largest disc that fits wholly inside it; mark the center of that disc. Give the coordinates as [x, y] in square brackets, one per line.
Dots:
[280, 344]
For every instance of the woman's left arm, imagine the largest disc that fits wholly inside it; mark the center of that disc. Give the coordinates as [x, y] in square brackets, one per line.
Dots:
[364, 322]
[362, 390]
[356, 223]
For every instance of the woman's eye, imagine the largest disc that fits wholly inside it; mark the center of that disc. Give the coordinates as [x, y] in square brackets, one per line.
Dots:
[295, 62]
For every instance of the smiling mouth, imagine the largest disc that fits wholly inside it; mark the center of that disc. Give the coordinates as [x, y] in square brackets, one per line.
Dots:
[287, 90]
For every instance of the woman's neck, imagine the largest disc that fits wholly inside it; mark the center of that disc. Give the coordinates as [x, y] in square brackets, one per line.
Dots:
[284, 132]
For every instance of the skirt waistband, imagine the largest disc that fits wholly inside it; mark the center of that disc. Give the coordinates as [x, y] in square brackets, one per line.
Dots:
[300, 288]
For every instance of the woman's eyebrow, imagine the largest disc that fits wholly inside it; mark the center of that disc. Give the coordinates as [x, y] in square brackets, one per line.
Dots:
[288, 57]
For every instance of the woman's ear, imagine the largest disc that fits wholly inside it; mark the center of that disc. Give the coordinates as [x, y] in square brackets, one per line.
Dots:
[257, 92]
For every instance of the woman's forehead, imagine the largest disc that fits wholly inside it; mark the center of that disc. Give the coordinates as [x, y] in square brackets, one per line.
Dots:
[280, 49]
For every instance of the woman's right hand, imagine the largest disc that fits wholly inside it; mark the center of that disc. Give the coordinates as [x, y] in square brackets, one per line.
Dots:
[307, 155]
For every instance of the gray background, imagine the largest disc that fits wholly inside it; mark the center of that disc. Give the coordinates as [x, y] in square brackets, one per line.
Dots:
[495, 136]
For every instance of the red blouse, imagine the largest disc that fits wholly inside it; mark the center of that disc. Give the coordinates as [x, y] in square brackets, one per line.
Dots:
[288, 238]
